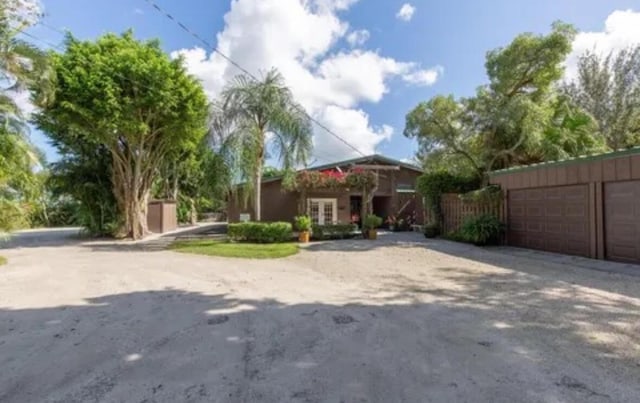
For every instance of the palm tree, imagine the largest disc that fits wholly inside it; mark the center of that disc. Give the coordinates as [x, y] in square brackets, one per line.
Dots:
[22, 66]
[254, 117]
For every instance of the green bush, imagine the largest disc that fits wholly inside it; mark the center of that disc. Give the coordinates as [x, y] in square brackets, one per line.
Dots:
[484, 229]
[333, 231]
[303, 223]
[260, 232]
[433, 184]
[431, 230]
[372, 221]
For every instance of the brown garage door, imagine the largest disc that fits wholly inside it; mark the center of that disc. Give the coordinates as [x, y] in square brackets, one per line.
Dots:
[554, 219]
[622, 221]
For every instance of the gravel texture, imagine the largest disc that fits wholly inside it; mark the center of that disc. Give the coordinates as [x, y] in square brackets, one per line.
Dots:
[401, 319]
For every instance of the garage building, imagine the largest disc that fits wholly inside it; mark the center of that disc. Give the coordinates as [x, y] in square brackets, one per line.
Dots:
[588, 206]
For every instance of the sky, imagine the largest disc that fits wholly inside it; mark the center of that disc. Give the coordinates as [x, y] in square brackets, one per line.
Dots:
[357, 66]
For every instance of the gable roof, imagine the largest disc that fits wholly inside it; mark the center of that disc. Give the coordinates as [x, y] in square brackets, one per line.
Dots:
[355, 161]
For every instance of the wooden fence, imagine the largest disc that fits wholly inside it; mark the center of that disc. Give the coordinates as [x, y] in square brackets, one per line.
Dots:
[454, 211]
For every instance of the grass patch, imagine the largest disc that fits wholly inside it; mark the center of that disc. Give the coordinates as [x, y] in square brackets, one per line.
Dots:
[230, 249]
[3, 260]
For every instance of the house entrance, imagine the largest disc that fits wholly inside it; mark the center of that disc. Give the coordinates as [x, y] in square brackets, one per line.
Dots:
[323, 211]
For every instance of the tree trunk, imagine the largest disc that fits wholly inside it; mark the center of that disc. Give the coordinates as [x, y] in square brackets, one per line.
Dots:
[132, 194]
[258, 192]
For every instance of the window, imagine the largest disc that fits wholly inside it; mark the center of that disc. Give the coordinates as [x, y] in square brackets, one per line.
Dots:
[323, 211]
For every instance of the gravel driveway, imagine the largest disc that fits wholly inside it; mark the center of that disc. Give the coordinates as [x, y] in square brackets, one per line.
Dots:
[400, 319]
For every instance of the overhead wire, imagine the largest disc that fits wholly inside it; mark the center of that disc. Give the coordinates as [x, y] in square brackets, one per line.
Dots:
[245, 71]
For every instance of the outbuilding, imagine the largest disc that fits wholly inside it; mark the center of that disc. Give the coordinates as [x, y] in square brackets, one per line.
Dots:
[587, 206]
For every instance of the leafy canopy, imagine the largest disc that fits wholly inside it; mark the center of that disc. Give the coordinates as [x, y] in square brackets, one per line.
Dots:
[608, 88]
[517, 118]
[132, 99]
[21, 65]
[253, 119]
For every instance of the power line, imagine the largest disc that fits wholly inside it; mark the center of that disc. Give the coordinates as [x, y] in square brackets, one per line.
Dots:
[239, 67]
[319, 156]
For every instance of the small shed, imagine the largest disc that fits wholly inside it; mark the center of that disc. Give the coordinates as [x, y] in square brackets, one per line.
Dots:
[587, 206]
[162, 216]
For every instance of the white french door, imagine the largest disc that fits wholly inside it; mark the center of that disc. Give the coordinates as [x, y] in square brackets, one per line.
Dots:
[323, 211]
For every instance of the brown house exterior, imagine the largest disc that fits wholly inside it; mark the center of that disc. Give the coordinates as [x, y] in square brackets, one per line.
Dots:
[589, 206]
[395, 195]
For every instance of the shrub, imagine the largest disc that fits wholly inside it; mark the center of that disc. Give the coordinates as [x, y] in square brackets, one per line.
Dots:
[433, 184]
[372, 221]
[303, 223]
[481, 230]
[431, 230]
[333, 231]
[260, 232]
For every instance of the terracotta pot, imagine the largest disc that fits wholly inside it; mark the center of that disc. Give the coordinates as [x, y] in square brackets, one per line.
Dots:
[303, 236]
[372, 234]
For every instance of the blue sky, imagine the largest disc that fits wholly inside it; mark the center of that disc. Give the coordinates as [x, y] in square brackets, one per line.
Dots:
[361, 90]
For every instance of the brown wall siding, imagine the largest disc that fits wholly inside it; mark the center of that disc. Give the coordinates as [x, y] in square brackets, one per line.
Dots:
[282, 205]
[614, 169]
[597, 174]
[277, 204]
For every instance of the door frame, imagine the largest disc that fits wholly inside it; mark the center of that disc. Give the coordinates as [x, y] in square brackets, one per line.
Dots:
[321, 203]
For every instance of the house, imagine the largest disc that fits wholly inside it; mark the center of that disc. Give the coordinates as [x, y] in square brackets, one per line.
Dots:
[394, 195]
[587, 206]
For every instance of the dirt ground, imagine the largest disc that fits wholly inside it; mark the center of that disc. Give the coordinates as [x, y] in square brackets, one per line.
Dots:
[400, 319]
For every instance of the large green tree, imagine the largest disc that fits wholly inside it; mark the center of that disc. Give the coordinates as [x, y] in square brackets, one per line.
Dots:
[132, 99]
[517, 118]
[608, 87]
[21, 65]
[249, 111]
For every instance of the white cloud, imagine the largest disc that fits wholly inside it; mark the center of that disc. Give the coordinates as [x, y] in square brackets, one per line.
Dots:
[425, 77]
[138, 11]
[621, 30]
[406, 12]
[299, 38]
[358, 38]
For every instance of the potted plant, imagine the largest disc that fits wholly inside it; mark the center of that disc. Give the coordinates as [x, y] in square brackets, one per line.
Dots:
[371, 223]
[391, 223]
[402, 224]
[303, 224]
[431, 230]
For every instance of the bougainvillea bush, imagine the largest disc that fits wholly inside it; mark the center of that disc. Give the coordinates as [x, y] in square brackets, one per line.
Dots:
[333, 179]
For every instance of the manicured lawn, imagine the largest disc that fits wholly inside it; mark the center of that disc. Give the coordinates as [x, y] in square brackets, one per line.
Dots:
[3, 260]
[231, 249]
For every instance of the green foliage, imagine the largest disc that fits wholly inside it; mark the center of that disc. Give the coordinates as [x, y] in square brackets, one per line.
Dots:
[332, 179]
[21, 65]
[608, 88]
[431, 230]
[372, 221]
[241, 119]
[491, 194]
[481, 230]
[197, 178]
[132, 99]
[272, 172]
[240, 250]
[333, 231]
[433, 184]
[517, 118]
[83, 176]
[260, 232]
[303, 223]
[3, 260]
[12, 215]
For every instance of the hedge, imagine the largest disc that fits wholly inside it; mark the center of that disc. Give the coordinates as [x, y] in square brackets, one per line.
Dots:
[260, 232]
[333, 231]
